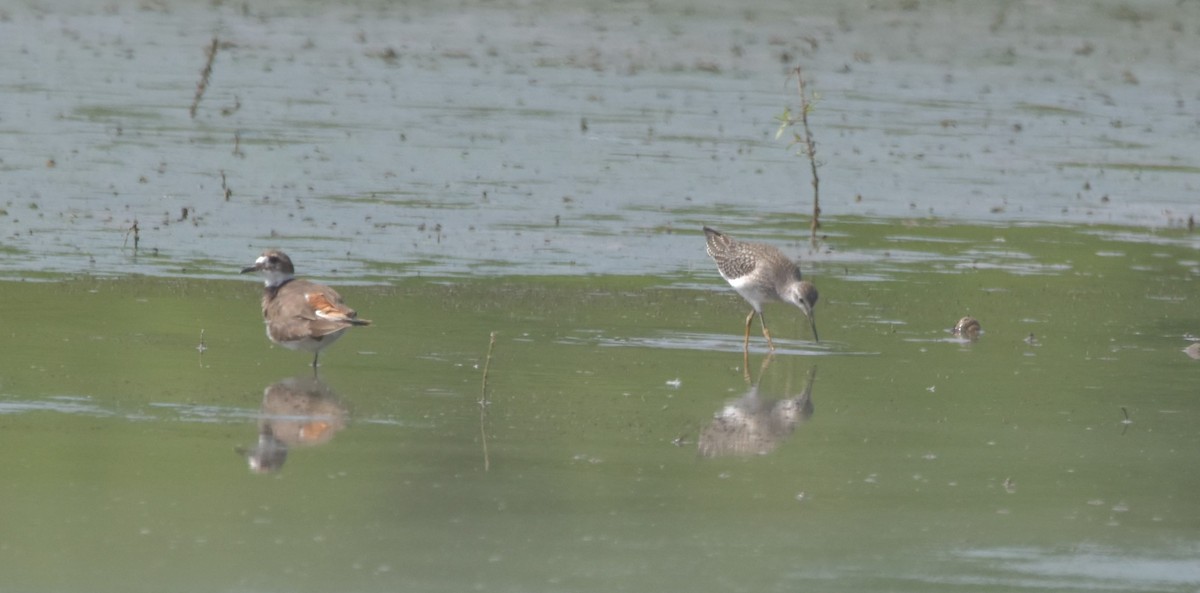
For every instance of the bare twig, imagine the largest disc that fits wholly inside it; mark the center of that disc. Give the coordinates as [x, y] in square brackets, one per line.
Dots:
[204, 74]
[132, 230]
[225, 187]
[201, 347]
[808, 143]
[483, 403]
[810, 147]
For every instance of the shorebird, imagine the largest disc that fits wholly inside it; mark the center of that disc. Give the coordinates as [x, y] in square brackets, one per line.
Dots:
[761, 273]
[968, 328]
[300, 315]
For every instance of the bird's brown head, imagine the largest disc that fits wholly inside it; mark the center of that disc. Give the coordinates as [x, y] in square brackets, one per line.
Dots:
[275, 265]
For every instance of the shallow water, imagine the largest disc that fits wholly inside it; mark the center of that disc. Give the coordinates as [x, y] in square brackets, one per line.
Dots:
[559, 138]
[1038, 457]
[1029, 165]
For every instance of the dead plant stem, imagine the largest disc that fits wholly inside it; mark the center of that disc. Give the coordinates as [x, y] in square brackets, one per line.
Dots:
[483, 403]
[205, 73]
[810, 150]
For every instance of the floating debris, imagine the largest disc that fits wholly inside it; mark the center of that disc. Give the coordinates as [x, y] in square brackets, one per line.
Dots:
[205, 73]
[1127, 421]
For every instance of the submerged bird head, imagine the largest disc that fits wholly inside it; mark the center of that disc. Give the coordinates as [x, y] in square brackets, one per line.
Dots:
[275, 265]
[804, 295]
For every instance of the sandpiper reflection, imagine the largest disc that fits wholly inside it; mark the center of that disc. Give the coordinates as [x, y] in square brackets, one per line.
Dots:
[754, 425]
[296, 412]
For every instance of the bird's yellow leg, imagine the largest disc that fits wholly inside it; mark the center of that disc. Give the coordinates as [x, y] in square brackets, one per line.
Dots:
[746, 340]
[765, 363]
[766, 332]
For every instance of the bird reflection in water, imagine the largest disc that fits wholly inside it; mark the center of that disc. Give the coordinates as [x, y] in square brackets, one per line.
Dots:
[296, 412]
[754, 425]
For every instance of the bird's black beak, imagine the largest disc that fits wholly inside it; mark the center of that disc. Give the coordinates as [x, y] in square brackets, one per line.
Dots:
[812, 321]
[253, 268]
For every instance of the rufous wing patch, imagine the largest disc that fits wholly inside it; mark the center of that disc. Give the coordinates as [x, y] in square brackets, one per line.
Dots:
[331, 310]
[315, 432]
[325, 309]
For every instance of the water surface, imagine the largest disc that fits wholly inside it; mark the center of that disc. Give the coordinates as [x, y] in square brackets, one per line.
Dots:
[541, 171]
[561, 138]
[891, 456]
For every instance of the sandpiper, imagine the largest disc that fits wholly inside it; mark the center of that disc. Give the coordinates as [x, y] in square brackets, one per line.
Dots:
[761, 273]
[968, 328]
[300, 315]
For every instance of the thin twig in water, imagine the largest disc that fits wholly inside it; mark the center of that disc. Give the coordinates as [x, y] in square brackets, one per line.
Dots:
[136, 236]
[225, 187]
[201, 347]
[204, 74]
[809, 144]
[483, 403]
[810, 150]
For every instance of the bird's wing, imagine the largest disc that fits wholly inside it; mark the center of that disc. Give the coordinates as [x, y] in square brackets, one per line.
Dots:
[732, 257]
[303, 308]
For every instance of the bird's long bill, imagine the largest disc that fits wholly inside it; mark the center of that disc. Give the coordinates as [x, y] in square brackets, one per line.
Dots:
[812, 321]
[248, 269]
